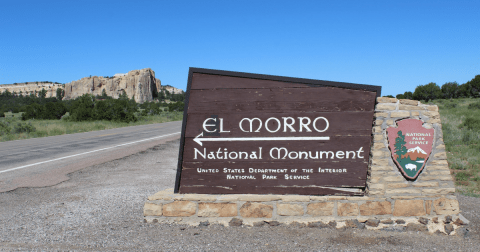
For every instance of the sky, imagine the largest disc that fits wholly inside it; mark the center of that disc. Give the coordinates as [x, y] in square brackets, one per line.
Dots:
[397, 45]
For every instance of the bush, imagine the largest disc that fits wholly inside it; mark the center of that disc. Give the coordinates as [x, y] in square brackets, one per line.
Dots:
[177, 106]
[464, 90]
[406, 95]
[21, 127]
[82, 108]
[115, 110]
[462, 176]
[33, 111]
[450, 105]
[450, 90]
[10, 126]
[474, 86]
[54, 110]
[87, 109]
[472, 123]
[49, 111]
[4, 127]
[427, 92]
[150, 108]
[475, 105]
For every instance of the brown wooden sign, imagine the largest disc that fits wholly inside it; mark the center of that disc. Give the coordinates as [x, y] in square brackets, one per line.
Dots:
[261, 134]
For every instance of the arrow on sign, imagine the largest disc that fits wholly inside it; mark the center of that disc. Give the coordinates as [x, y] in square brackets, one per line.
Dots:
[199, 140]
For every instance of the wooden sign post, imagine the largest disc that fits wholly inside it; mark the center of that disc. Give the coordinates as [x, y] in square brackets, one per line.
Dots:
[261, 134]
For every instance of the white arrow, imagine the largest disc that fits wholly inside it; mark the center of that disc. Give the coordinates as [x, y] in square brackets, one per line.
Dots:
[199, 140]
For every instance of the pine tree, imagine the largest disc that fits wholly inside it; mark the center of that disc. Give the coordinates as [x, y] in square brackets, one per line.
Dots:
[400, 145]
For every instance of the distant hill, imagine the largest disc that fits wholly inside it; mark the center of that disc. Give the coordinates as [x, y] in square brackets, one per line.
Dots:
[172, 90]
[141, 84]
[27, 88]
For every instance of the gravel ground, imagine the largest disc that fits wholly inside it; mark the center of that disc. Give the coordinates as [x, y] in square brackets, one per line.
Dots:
[101, 209]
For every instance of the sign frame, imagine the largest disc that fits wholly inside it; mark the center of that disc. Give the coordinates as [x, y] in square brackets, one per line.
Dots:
[308, 82]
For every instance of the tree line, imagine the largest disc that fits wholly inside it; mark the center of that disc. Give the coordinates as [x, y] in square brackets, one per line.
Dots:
[84, 108]
[449, 90]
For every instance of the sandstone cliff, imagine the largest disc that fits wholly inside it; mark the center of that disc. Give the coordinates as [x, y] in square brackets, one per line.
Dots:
[30, 88]
[140, 84]
[172, 90]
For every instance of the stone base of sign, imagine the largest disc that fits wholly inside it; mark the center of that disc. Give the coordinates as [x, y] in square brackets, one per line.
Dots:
[434, 214]
[391, 202]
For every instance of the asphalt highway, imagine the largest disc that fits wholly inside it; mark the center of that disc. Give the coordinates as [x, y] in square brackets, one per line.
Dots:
[41, 162]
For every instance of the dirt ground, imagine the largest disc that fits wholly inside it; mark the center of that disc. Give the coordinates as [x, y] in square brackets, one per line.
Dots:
[100, 208]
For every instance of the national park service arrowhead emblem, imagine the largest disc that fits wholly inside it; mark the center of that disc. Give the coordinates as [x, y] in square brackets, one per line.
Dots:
[410, 144]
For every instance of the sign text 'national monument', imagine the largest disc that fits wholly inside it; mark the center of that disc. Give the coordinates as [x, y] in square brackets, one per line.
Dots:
[249, 133]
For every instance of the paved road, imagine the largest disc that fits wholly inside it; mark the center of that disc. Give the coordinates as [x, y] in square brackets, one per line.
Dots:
[45, 161]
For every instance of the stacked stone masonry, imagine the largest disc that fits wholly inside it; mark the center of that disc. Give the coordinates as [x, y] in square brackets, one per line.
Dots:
[390, 200]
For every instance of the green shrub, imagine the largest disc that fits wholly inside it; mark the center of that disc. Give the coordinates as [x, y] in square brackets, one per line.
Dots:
[5, 128]
[119, 110]
[150, 108]
[49, 111]
[462, 176]
[65, 117]
[33, 111]
[467, 136]
[427, 92]
[82, 108]
[177, 106]
[474, 86]
[21, 127]
[450, 90]
[472, 123]
[450, 105]
[54, 110]
[406, 95]
[13, 126]
[475, 105]
[458, 166]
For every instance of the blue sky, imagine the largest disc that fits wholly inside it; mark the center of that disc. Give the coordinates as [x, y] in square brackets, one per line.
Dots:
[394, 44]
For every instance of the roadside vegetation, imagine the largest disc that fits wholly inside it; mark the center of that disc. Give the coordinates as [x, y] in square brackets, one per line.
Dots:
[461, 134]
[16, 129]
[34, 115]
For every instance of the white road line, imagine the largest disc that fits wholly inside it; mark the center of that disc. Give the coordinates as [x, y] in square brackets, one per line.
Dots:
[25, 166]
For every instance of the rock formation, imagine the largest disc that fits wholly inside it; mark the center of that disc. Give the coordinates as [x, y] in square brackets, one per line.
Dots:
[172, 90]
[28, 88]
[141, 84]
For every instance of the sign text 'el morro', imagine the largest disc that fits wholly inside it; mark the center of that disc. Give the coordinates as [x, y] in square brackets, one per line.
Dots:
[260, 134]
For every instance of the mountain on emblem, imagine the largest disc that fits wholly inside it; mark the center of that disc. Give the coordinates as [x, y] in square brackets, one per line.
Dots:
[417, 150]
[416, 154]
[410, 144]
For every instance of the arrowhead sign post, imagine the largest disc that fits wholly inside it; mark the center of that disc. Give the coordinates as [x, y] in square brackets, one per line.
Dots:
[260, 134]
[410, 144]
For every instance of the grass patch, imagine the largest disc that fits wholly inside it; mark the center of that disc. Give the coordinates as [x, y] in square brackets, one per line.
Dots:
[461, 134]
[44, 128]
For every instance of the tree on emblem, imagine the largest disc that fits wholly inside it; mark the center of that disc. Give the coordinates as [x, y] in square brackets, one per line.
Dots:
[400, 148]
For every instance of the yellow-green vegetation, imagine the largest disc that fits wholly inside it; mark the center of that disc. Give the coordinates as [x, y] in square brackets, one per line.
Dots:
[16, 129]
[461, 134]
[10, 114]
